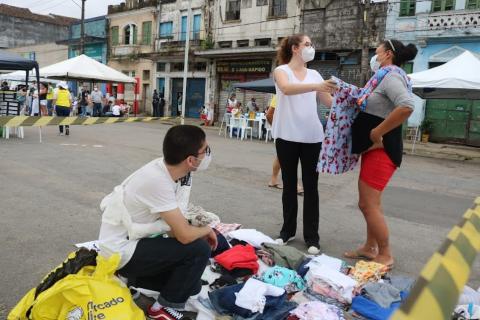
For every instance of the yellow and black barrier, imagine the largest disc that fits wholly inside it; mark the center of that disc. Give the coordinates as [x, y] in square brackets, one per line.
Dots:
[26, 121]
[442, 279]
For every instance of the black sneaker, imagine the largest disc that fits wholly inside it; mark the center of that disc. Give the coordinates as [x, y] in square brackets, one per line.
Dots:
[67, 131]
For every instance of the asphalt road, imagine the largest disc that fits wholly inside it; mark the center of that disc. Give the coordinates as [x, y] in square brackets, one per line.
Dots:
[50, 193]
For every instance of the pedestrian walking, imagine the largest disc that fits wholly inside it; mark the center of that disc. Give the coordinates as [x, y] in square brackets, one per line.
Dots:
[63, 104]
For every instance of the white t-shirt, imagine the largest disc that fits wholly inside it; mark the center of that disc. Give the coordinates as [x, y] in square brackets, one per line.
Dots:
[148, 192]
[296, 118]
[116, 110]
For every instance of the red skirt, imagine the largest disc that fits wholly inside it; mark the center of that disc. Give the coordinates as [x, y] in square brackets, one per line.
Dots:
[377, 168]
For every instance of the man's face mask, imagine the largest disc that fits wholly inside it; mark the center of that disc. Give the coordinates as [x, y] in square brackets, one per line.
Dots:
[205, 161]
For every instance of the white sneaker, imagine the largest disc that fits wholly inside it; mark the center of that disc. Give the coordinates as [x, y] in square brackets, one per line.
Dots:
[281, 242]
[313, 250]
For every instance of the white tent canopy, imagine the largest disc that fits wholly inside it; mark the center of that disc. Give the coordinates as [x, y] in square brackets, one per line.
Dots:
[459, 78]
[19, 76]
[84, 68]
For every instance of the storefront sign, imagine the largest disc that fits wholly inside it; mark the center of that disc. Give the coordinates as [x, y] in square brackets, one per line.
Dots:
[255, 66]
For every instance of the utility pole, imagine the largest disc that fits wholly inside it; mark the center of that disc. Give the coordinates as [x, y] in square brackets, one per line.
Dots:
[365, 69]
[82, 29]
[185, 63]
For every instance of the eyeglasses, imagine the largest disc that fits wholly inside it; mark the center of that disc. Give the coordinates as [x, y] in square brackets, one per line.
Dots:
[207, 151]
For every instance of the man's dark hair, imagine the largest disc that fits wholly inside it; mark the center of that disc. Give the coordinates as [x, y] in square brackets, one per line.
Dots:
[181, 142]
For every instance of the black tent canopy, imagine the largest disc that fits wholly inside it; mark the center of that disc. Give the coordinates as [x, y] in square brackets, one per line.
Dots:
[12, 62]
[263, 85]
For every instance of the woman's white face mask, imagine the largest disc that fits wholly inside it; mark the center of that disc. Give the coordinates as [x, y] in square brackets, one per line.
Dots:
[374, 64]
[308, 54]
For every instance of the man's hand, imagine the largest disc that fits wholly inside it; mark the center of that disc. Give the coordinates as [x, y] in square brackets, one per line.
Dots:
[212, 239]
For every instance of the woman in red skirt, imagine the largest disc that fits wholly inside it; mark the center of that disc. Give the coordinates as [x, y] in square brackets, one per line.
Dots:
[377, 135]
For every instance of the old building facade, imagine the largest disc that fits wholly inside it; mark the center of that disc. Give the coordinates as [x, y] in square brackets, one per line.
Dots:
[245, 35]
[130, 42]
[19, 27]
[442, 30]
[168, 58]
[336, 28]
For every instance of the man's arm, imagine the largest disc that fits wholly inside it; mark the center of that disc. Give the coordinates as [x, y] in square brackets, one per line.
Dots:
[182, 230]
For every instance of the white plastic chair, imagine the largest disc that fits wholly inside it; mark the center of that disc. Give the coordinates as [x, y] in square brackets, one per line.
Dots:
[232, 124]
[268, 127]
[244, 127]
[226, 121]
[18, 131]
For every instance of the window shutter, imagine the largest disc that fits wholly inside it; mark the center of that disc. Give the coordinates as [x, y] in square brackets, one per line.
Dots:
[114, 36]
[437, 5]
[134, 30]
[404, 8]
[146, 32]
[449, 4]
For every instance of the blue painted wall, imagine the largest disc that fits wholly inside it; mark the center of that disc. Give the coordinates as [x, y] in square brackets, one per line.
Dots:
[96, 27]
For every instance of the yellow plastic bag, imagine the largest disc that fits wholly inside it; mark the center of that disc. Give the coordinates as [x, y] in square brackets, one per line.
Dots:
[94, 293]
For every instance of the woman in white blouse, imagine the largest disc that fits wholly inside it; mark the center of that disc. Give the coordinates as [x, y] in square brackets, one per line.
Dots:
[299, 134]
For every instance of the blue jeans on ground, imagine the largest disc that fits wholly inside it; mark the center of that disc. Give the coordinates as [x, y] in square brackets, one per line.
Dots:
[223, 301]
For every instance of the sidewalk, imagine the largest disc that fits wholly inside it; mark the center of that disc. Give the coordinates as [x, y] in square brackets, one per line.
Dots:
[443, 151]
[430, 150]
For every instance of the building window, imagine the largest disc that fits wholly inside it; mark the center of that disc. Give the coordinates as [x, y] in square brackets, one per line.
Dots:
[407, 8]
[246, 4]
[262, 3]
[177, 66]
[263, 42]
[197, 20]
[443, 5]
[161, 66]
[147, 33]
[114, 36]
[166, 29]
[278, 8]
[473, 4]
[199, 66]
[233, 10]
[243, 43]
[225, 44]
[130, 32]
[183, 34]
[146, 75]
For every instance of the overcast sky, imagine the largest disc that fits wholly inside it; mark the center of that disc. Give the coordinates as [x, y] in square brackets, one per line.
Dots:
[70, 8]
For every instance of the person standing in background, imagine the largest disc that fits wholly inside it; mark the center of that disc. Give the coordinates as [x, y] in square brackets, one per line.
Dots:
[50, 100]
[97, 99]
[155, 103]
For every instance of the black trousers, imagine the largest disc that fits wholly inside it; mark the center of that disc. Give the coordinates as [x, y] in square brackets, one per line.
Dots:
[169, 267]
[288, 155]
[156, 110]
